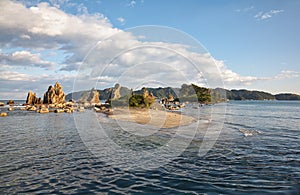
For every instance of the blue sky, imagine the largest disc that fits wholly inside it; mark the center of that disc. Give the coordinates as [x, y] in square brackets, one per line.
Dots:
[256, 43]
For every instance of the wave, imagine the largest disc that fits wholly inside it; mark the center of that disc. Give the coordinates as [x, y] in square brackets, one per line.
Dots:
[247, 132]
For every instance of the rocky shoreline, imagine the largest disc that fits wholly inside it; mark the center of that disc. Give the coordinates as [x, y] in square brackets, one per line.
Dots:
[53, 101]
[151, 113]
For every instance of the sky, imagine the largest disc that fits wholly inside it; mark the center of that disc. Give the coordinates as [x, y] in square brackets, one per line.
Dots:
[234, 44]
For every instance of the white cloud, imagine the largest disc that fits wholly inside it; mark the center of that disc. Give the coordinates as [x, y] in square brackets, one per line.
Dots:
[25, 58]
[121, 20]
[48, 27]
[12, 81]
[266, 15]
[287, 74]
[82, 9]
[118, 57]
[14, 76]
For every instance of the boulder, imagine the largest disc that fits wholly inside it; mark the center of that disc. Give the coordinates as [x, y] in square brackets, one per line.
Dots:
[70, 104]
[81, 109]
[31, 108]
[1, 103]
[11, 108]
[68, 110]
[54, 95]
[10, 102]
[3, 114]
[170, 98]
[59, 110]
[43, 109]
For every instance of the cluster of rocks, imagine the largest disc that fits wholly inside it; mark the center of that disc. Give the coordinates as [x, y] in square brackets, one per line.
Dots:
[54, 95]
[171, 104]
[103, 108]
[54, 101]
[114, 94]
[10, 103]
[67, 107]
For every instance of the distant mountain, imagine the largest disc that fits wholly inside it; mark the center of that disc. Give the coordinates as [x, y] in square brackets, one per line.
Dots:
[287, 96]
[161, 92]
[244, 94]
[105, 93]
[190, 93]
[185, 93]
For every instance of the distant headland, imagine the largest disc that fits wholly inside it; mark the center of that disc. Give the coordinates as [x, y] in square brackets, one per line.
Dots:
[185, 92]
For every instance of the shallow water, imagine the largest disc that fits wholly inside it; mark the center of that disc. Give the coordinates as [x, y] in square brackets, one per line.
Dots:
[50, 153]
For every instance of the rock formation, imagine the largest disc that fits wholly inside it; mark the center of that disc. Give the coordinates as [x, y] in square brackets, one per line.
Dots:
[43, 109]
[32, 99]
[10, 102]
[145, 92]
[170, 98]
[54, 95]
[93, 97]
[115, 93]
[3, 114]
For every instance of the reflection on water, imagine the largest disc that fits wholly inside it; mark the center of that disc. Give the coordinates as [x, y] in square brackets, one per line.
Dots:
[46, 154]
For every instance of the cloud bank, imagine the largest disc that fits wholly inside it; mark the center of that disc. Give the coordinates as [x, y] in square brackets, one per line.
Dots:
[87, 48]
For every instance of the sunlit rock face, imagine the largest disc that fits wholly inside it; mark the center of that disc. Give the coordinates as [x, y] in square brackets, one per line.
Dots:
[54, 95]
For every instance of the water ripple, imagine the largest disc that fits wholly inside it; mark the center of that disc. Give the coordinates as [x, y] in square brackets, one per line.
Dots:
[44, 154]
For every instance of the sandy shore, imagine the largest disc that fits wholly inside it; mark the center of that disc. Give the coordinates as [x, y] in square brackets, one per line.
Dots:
[162, 119]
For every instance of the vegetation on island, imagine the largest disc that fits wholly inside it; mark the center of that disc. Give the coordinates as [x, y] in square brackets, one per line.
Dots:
[140, 101]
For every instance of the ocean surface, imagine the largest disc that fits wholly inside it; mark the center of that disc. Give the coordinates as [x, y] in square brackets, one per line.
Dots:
[239, 147]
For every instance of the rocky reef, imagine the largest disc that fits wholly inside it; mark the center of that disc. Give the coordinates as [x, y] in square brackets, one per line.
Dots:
[54, 101]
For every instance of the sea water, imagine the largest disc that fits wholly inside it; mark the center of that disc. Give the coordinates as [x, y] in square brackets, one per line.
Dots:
[257, 150]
